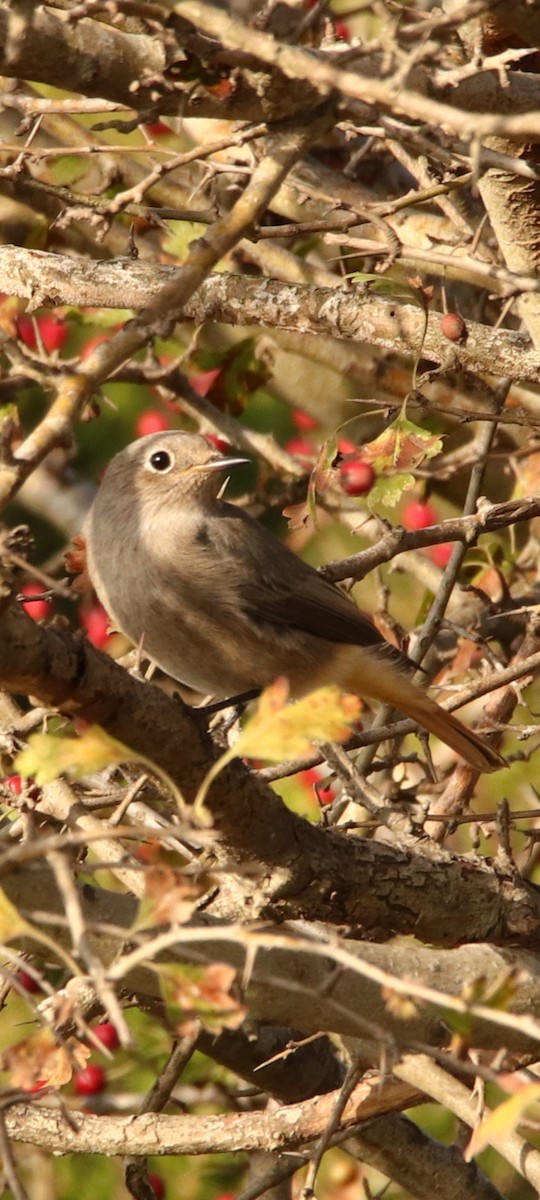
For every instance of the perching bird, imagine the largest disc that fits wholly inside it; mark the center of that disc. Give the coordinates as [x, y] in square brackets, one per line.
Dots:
[224, 607]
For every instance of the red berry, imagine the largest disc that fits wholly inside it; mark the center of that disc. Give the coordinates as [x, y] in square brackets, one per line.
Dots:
[203, 381]
[52, 331]
[418, 514]
[37, 609]
[158, 1184]
[309, 778]
[157, 128]
[357, 477]
[341, 30]
[346, 447]
[28, 982]
[303, 421]
[96, 623]
[300, 448]
[453, 326]
[37, 1086]
[106, 1033]
[151, 421]
[15, 785]
[91, 1080]
[148, 853]
[441, 554]
[313, 781]
[218, 443]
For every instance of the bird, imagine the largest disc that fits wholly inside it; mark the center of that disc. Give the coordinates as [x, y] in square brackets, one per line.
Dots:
[223, 606]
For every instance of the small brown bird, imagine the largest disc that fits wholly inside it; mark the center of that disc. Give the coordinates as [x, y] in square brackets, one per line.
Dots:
[223, 606]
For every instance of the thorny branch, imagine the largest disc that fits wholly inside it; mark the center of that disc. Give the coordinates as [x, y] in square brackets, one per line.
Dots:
[448, 101]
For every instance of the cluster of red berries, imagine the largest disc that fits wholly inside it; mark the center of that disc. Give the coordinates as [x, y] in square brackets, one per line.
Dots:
[93, 618]
[92, 1079]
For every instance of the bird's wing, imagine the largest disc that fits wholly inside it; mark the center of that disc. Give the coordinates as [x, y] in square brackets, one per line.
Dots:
[286, 592]
[314, 606]
[306, 601]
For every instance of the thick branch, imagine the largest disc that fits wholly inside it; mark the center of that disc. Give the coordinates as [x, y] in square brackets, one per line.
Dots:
[150, 1133]
[157, 318]
[342, 988]
[350, 314]
[86, 56]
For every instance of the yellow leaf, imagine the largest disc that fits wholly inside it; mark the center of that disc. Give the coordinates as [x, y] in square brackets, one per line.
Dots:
[280, 730]
[503, 1120]
[47, 755]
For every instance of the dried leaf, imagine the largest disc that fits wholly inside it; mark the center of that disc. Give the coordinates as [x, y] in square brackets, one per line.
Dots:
[201, 994]
[75, 560]
[169, 899]
[39, 1060]
[297, 515]
[400, 1006]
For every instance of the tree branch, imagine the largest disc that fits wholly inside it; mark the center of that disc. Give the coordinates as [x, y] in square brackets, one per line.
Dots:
[350, 314]
[314, 872]
[152, 1133]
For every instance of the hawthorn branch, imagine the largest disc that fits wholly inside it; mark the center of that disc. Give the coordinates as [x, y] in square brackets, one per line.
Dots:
[488, 519]
[454, 1095]
[346, 313]
[290, 1128]
[294, 981]
[324, 74]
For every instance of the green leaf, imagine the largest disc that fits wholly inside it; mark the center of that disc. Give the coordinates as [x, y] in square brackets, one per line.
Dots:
[387, 492]
[401, 445]
[399, 448]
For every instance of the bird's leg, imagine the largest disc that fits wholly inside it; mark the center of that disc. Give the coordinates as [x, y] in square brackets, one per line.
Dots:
[238, 703]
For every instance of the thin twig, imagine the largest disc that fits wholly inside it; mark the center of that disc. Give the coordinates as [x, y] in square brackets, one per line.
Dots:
[354, 1073]
[135, 1166]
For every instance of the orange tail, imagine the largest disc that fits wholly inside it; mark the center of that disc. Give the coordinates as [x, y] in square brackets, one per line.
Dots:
[371, 675]
[474, 749]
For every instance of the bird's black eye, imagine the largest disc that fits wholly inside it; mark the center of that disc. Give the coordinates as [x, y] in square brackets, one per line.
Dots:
[161, 460]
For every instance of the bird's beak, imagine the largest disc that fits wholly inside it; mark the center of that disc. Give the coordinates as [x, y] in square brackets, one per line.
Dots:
[219, 464]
